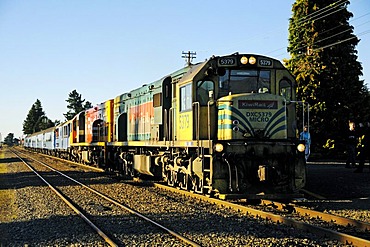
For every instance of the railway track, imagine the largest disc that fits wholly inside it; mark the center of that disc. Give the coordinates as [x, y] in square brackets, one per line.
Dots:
[358, 232]
[326, 217]
[85, 216]
[304, 218]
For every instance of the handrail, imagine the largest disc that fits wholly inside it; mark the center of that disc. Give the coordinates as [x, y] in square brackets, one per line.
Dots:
[197, 133]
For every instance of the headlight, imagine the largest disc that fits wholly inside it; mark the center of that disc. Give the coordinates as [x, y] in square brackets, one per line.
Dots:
[244, 60]
[301, 147]
[219, 147]
[252, 60]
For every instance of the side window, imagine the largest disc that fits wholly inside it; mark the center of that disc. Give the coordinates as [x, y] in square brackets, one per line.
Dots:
[185, 98]
[157, 100]
[203, 88]
[66, 130]
[285, 89]
[47, 137]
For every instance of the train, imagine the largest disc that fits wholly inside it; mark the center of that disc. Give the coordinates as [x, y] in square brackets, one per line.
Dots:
[226, 127]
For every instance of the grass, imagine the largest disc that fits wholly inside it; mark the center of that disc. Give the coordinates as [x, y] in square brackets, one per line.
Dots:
[7, 197]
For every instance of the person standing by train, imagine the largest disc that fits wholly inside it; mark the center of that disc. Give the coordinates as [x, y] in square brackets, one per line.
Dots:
[351, 143]
[364, 141]
[306, 137]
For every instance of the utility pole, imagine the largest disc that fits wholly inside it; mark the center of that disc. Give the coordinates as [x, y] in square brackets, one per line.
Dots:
[188, 56]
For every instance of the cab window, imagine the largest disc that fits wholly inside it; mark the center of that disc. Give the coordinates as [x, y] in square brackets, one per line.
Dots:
[245, 81]
[185, 98]
[203, 89]
[285, 87]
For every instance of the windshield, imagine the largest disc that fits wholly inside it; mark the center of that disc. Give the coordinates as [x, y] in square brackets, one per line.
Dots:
[245, 81]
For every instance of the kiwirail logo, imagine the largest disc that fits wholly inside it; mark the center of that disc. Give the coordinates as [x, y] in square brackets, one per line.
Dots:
[258, 104]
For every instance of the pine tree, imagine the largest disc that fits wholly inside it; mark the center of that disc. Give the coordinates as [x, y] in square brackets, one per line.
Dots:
[9, 139]
[75, 104]
[324, 62]
[36, 119]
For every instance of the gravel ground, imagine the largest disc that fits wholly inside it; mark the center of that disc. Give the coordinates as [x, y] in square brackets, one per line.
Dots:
[41, 219]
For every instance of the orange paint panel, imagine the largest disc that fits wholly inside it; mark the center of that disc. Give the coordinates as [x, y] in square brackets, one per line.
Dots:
[91, 116]
[140, 119]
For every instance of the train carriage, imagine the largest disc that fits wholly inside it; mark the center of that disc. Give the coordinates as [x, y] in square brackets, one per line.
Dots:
[39, 141]
[91, 130]
[78, 130]
[48, 137]
[120, 118]
[31, 141]
[99, 122]
[63, 139]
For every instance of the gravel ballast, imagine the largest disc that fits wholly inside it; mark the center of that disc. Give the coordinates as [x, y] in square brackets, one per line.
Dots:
[42, 219]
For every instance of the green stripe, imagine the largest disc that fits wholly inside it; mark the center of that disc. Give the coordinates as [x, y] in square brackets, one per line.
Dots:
[270, 129]
[225, 126]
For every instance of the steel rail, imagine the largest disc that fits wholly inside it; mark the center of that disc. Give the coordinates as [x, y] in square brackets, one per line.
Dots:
[331, 218]
[342, 237]
[68, 161]
[78, 212]
[178, 236]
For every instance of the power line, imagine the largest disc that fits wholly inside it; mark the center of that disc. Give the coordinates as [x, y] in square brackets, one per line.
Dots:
[322, 11]
[362, 24]
[324, 33]
[314, 16]
[335, 43]
[302, 20]
[331, 29]
[317, 15]
[318, 41]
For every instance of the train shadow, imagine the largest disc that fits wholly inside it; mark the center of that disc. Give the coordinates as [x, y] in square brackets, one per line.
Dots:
[8, 160]
[29, 179]
[40, 232]
[129, 231]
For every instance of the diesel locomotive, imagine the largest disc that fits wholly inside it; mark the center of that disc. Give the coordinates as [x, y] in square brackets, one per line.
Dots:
[223, 127]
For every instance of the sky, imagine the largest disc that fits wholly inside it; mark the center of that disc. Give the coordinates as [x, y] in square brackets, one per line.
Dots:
[102, 49]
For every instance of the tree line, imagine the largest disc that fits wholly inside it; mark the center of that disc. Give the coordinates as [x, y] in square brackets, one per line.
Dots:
[37, 120]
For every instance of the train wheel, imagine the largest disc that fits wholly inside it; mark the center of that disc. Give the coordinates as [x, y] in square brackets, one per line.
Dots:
[129, 171]
[198, 185]
[170, 178]
[184, 181]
